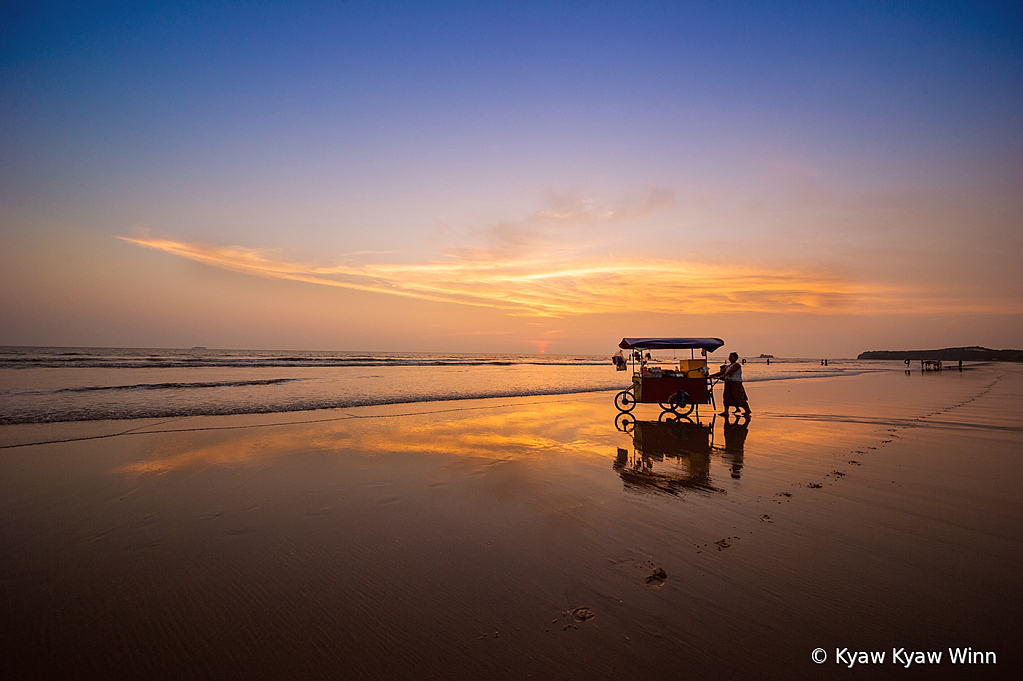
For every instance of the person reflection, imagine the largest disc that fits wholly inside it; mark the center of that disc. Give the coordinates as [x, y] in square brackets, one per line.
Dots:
[735, 444]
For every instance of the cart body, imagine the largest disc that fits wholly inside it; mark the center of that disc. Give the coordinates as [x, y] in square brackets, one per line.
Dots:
[660, 389]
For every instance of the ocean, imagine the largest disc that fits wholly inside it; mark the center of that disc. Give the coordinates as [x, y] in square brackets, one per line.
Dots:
[50, 384]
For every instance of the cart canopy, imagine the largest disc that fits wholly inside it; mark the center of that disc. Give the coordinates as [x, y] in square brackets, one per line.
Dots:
[708, 344]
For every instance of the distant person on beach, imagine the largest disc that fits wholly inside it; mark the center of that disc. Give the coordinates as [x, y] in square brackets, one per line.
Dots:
[735, 394]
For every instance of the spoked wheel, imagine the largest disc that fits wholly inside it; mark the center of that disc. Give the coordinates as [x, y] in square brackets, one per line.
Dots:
[668, 416]
[680, 404]
[625, 401]
[625, 422]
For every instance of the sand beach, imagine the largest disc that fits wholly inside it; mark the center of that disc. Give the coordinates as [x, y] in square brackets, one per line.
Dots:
[525, 537]
[313, 317]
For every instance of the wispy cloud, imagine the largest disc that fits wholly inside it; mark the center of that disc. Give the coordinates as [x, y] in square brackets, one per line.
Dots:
[566, 217]
[577, 209]
[545, 287]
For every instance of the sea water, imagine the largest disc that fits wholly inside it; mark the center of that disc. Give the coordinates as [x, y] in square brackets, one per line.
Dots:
[47, 385]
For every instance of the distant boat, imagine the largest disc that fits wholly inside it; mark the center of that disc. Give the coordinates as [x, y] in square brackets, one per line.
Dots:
[766, 356]
[199, 347]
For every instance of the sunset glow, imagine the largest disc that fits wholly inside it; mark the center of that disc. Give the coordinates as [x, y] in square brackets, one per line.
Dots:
[555, 289]
[814, 181]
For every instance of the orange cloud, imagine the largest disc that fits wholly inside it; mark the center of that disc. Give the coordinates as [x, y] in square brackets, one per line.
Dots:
[544, 287]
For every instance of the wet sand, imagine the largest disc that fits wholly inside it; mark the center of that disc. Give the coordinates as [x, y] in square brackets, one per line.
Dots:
[524, 538]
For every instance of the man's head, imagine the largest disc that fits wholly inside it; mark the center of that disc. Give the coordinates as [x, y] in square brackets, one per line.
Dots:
[733, 356]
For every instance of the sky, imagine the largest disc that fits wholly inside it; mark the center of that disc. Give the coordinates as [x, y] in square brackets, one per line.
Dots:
[800, 179]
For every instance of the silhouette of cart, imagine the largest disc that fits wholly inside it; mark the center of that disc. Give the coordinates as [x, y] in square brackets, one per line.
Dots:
[677, 390]
[672, 457]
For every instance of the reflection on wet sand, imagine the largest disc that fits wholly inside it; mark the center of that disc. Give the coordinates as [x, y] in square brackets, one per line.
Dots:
[449, 540]
[671, 457]
[735, 443]
[467, 433]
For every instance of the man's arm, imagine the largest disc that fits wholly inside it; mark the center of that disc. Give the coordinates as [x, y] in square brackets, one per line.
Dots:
[728, 371]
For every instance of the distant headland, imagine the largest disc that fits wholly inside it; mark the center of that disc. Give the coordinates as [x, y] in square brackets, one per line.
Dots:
[972, 353]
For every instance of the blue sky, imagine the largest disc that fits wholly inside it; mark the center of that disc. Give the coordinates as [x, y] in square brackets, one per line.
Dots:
[876, 146]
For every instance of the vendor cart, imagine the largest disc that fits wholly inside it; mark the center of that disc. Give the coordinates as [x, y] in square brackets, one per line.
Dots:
[678, 389]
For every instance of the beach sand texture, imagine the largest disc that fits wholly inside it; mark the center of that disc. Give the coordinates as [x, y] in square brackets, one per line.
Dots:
[523, 538]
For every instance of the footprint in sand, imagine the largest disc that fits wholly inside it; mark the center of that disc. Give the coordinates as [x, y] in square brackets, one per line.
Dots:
[657, 577]
[583, 614]
[579, 615]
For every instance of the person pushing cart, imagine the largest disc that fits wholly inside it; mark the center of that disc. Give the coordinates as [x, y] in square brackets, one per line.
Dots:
[734, 392]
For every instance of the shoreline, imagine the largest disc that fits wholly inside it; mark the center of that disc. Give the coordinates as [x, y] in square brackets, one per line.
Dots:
[853, 512]
[10, 437]
[69, 394]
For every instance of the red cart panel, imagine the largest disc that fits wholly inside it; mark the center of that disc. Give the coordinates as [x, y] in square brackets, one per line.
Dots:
[650, 389]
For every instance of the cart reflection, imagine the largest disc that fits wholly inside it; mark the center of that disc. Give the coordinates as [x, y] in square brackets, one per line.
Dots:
[671, 456]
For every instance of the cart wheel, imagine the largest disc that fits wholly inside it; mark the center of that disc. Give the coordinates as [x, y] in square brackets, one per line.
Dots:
[680, 404]
[625, 401]
[668, 416]
[625, 422]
